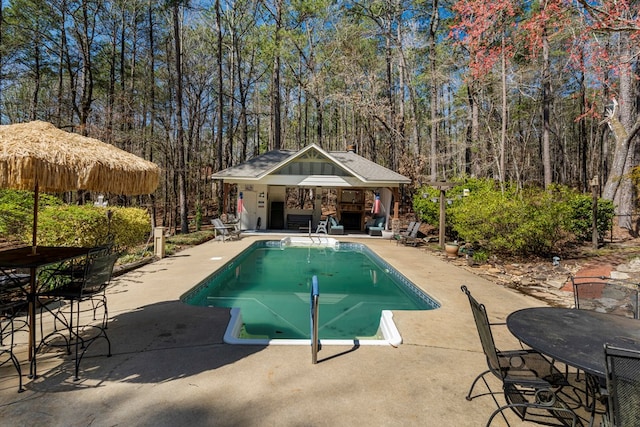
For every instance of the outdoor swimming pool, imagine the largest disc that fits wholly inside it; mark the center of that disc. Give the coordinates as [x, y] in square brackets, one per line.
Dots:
[268, 286]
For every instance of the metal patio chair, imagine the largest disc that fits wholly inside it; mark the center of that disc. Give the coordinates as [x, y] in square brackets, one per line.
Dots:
[623, 386]
[606, 295]
[529, 380]
[89, 287]
[13, 308]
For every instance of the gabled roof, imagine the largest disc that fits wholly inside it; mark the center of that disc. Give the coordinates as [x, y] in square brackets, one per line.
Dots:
[353, 169]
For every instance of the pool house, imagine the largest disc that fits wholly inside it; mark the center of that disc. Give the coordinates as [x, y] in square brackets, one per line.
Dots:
[285, 189]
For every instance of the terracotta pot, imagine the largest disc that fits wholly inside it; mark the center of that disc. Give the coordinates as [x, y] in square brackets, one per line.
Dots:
[451, 250]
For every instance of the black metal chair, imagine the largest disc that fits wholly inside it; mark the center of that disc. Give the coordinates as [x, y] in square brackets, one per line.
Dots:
[13, 308]
[529, 380]
[623, 386]
[89, 287]
[606, 295]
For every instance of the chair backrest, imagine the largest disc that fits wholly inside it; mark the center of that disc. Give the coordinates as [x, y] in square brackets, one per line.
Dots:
[623, 386]
[332, 221]
[98, 270]
[606, 295]
[322, 226]
[416, 228]
[484, 331]
[411, 226]
[220, 227]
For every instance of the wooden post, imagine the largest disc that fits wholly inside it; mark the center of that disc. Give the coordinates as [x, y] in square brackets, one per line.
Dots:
[594, 230]
[443, 186]
[443, 221]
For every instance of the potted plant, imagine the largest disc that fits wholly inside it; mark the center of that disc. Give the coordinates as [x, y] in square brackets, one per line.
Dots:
[451, 249]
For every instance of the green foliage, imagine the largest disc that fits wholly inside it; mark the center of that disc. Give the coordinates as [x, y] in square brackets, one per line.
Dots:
[130, 226]
[480, 256]
[580, 221]
[89, 226]
[16, 211]
[426, 201]
[511, 221]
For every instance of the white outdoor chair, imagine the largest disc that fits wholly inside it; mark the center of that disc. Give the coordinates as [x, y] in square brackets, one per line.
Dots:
[322, 227]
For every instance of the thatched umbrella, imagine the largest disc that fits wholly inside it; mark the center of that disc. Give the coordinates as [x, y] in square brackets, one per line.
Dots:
[37, 156]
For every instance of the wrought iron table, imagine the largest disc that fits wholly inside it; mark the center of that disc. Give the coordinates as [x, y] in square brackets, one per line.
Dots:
[24, 258]
[575, 337]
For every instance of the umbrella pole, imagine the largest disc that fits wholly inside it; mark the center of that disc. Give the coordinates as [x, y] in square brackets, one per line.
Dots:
[32, 287]
[34, 229]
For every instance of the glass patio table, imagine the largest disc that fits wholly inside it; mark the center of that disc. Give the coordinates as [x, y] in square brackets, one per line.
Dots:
[24, 258]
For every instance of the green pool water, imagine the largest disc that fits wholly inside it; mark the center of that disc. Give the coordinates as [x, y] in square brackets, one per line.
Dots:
[271, 283]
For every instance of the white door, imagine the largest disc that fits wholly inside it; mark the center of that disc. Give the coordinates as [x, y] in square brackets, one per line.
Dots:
[249, 210]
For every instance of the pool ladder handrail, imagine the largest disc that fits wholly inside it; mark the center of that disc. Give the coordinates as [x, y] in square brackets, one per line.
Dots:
[315, 303]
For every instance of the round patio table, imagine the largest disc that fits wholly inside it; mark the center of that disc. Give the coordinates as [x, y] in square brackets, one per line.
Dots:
[572, 336]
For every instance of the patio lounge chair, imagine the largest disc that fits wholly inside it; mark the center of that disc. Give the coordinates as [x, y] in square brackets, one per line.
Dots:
[404, 232]
[334, 226]
[322, 226]
[623, 386]
[227, 231]
[529, 380]
[411, 238]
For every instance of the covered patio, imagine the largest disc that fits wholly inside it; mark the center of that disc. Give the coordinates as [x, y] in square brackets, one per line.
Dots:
[285, 189]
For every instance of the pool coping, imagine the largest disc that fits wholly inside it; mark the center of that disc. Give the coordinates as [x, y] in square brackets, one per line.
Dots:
[388, 329]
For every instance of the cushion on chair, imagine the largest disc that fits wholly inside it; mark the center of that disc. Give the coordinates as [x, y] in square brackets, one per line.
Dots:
[334, 227]
[375, 226]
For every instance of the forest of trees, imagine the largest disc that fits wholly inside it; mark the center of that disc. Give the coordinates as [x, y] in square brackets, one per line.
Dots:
[537, 92]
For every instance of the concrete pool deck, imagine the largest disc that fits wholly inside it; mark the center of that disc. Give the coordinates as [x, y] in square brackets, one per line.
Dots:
[170, 366]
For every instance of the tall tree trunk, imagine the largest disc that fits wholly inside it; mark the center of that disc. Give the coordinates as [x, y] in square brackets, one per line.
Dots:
[433, 89]
[63, 47]
[276, 120]
[182, 170]
[231, 117]
[220, 108]
[546, 108]
[242, 93]
[152, 102]
[33, 113]
[619, 187]
[503, 128]
[391, 120]
[583, 145]
[86, 40]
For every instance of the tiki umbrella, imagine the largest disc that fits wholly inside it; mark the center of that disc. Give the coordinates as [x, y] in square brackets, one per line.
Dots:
[37, 156]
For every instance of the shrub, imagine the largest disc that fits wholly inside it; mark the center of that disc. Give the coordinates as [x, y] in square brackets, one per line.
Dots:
[426, 201]
[513, 221]
[580, 220]
[89, 226]
[16, 211]
[130, 226]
